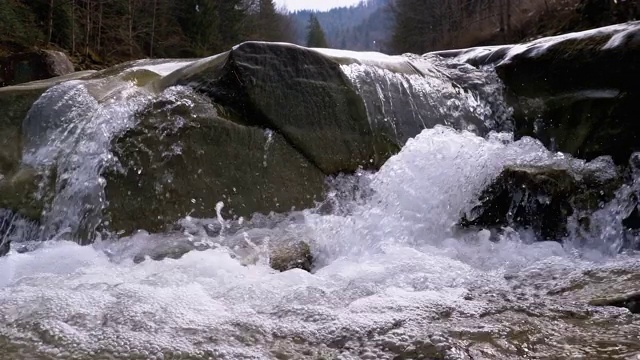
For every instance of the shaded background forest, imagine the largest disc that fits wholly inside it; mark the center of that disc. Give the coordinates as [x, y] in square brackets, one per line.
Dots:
[419, 26]
[108, 31]
[97, 33]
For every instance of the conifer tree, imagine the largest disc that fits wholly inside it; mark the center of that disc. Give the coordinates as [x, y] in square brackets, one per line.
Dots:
[315, 35]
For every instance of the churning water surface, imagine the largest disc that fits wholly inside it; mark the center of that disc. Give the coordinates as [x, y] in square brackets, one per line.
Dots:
[391, 279]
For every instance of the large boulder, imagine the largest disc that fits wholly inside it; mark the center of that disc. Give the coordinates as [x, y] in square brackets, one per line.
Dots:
[301, 94]
[184, 157]
[255, 129]
[35, 65]
[578, 93]
[363, 106]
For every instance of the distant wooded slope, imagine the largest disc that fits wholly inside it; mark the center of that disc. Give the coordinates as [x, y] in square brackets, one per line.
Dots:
[366, 26]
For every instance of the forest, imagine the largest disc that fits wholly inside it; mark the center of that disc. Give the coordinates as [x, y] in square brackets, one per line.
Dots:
[114, 30]
[97, 33]
[366, 26]
[427, 25]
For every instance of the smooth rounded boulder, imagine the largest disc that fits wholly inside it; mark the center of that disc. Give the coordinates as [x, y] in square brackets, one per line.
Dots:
[342, 110]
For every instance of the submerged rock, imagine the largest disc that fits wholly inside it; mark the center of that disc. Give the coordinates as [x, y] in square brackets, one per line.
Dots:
[578, 93]
[19, 191]
[292, 255]
[630, 301]
[31, 66]
[249, 247]
[540, 199]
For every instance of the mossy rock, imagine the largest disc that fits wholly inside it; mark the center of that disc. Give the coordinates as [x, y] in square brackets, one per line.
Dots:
[19, 193]
[183, 158]
[14, 105]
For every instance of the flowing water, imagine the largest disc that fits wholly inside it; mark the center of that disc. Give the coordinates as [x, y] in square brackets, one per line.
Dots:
[391, 279]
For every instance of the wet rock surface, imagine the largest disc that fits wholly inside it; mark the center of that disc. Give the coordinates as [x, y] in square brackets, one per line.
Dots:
[299, 93]
[266, 124]
[542, 199]
[183, 159]
[291, 255]
[30, 66]
[366, 108]
[578, 93]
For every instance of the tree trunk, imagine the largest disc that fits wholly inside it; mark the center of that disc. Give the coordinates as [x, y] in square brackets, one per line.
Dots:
[87, 29]
[99, 40]
[153, 27]
[50, 34]
[508, 18]
[131, 27]
[73, 27]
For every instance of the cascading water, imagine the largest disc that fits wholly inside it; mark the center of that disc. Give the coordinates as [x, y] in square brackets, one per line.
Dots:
[391, 279]
[68, 133]
[428, 96]
[76, 150]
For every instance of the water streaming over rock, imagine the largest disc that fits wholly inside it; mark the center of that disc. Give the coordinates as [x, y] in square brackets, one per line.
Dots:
[392, 276]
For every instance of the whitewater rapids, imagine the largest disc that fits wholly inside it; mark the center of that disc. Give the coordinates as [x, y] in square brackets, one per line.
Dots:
[392, 280]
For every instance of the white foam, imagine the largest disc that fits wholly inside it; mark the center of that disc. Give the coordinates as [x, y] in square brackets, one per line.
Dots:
[164, 69]
[391, 260]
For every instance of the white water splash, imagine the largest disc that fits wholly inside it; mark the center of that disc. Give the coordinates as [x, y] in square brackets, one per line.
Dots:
[387, 262]
[68, 132]
[268, 133]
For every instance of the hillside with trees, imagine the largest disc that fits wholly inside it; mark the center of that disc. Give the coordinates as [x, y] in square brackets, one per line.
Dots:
[427, 25]
[98, 33]
[102, 32]
[366, 26]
